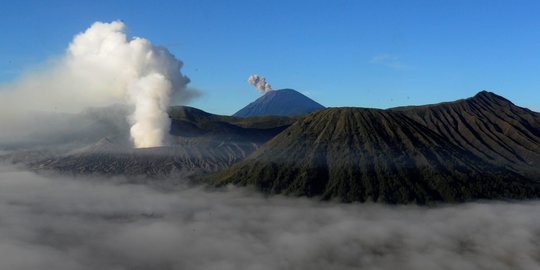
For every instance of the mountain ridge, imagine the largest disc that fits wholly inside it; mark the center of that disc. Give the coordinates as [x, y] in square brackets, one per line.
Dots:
[482, 147]
[490, 126]
[399, 155]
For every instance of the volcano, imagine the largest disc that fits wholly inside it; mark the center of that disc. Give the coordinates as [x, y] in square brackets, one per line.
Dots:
[483, 147]
[284, 102]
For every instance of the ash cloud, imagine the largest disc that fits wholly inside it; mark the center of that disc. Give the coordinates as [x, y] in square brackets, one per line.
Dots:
[66, 223]
[259, 82]
[101, 66]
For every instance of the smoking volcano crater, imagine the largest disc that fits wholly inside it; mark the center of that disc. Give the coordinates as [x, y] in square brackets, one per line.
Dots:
[483, 147]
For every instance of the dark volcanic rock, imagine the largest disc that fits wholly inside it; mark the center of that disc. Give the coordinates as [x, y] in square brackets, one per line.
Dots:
[419, 154]
[285, 102]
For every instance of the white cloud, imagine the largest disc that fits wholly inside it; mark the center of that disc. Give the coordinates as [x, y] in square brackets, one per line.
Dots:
[66, 223]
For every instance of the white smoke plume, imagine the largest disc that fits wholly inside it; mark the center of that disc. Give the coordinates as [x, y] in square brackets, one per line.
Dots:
[103, 66]
[259, 82]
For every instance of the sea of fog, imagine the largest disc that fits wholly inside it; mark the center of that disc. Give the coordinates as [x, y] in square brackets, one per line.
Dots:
[54, 222]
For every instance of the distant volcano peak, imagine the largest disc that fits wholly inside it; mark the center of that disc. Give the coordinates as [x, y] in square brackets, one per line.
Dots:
[283, 102]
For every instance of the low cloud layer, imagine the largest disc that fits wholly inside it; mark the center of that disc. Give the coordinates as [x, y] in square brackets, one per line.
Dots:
[67, 223]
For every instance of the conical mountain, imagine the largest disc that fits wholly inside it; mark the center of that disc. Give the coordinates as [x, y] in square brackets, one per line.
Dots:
[355, 154]
[284, 102]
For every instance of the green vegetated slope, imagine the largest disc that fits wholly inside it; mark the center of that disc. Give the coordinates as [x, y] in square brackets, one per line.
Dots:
[401, 155]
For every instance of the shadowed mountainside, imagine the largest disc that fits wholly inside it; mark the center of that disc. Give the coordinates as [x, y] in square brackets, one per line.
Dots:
[188, 122]
[402, 155]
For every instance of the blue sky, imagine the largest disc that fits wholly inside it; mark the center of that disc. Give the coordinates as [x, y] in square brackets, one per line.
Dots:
[340, 53]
